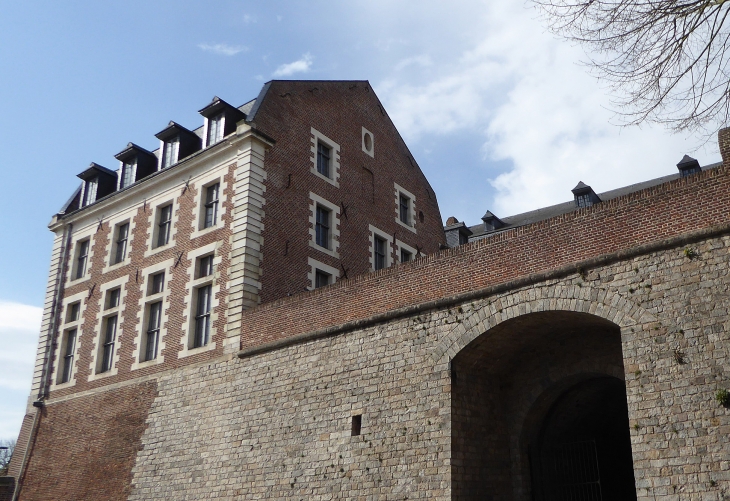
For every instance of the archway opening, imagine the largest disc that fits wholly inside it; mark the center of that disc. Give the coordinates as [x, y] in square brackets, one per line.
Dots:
[583, 450]
[527, 388]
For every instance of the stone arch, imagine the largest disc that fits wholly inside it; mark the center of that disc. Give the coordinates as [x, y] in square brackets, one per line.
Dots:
[545, 297]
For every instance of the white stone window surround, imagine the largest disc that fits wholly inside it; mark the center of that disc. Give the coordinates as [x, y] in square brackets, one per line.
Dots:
[78, 237]
[190, 301]
[153, 211]
[365, 134]
[66, 326]
[201, 184]
[373, 231]
[110, 250]
[411, 207]
[318, 265]
[402, 245]
[334, 209]
[318, 137]
[101, 316]
[140, 340]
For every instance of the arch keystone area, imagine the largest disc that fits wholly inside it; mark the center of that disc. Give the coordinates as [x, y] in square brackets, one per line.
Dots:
[600, 302]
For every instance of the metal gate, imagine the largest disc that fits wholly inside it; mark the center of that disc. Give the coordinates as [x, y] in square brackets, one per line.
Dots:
[569, 472]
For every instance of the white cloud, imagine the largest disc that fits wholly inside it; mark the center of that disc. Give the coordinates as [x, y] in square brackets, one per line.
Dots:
[223, 49]
[299, 66]
[535, 107]
[19, 328]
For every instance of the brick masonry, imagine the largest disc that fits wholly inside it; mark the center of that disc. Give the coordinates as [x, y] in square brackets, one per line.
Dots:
[640, 280]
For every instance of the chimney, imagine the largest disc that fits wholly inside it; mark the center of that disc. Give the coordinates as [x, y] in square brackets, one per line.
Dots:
[491, 222]
[584, 195]
[688, 166]
[723, 141]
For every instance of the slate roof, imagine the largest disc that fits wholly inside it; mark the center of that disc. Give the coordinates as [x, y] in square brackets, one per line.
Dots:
[478, 231]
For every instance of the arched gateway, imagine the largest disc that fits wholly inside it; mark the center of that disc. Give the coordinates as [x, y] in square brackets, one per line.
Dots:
[539, 409]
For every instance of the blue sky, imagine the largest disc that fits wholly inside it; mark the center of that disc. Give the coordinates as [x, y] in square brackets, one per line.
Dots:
[498, 113]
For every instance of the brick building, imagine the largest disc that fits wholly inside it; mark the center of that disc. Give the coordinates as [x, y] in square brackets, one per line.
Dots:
[592, 333]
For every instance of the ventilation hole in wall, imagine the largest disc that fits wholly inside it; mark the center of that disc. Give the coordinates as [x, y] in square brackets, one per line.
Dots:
[420, 215]
[356, 425]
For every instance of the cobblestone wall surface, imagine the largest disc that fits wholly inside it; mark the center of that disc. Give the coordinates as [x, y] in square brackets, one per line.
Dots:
[278, 425]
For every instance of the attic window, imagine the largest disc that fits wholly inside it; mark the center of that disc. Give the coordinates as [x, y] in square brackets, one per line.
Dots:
[90, 191]
[172, 148]
[688, 166]
[127, 174]
[215, 129]
[583, 200]
[584, 196]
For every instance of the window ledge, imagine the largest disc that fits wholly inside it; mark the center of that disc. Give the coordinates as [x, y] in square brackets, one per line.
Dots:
[112, 267]
[156, 250]
[205, 231]
[189, 352]
[404, 225]
[329, 252]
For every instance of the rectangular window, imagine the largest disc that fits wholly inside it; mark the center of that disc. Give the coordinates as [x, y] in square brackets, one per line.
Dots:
[170, 154]
[202, 316]
[379, 251]
[323, 159]
[81, 258]
[153, 331]
[163, 226]
[584, 200]
[72, 312]
[90, 191]
[205, 266]
[157, 284]
[405, 256]
[321, 279]
[127, 174]
[322, 229]
[121, 244]
[404, 205]
[110, 334]
[68, 356]
[113, 298]
[215, 129]
[211, 205]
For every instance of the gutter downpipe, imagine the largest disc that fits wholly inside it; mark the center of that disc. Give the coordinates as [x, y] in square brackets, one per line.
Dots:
[48, 360]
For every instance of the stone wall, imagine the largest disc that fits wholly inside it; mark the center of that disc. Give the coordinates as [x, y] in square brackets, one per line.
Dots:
[277, 424]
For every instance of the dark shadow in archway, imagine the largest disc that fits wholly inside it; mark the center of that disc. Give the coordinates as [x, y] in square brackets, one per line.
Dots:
[513, 389]
[583, 451]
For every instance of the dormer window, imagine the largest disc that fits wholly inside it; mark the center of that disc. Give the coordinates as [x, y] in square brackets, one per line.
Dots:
[220, 120]
[176, 143]
[584, 196]
[98, 182]
[137, 163]
[170, 154]
[688, 166]
[90, 189]
[127, 178]
[215, 129]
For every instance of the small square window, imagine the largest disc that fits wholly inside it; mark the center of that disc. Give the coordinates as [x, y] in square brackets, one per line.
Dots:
[164, 224]
[157, 283]
[324, 154]
[215, 129]
[205, 266]
[72, 311]
[120, 243]
[210, 214]
[405, 256]
[172, 149]
[322, 229]
[82, 255]
[321, 279]
[112, 298]
[379, 249]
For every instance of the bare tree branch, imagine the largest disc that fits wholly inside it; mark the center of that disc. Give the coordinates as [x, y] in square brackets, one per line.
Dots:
[666, 61]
